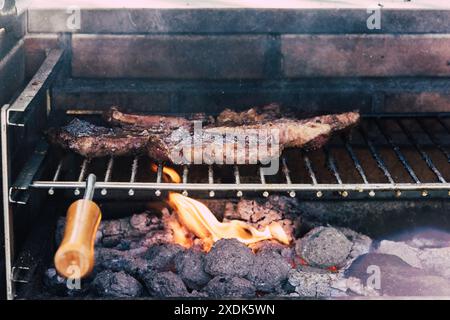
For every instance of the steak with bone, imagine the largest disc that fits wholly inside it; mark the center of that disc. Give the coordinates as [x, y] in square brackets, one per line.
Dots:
[247, 144]
[152, 123]
[94, 141]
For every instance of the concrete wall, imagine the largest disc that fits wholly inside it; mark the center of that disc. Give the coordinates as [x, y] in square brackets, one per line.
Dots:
[174, 60]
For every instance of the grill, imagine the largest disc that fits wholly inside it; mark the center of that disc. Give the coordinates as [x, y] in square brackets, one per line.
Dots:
[389, 156]
[344, 168]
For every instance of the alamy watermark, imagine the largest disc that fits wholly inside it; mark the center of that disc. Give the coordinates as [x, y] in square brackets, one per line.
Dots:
[232, 146]
[373, 22]
[73, 22]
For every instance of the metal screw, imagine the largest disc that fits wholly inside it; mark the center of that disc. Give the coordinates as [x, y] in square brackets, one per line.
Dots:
[51, 191]
[103, 192]
[77, 192]
[185, 193]
[131, 192]
[292, 194]
[344, 194]
[319, 194]
[158, 193]
[239, 194]
[371, 193]
[265, 194]
[398, 193]
[212, 194]
[424, 193]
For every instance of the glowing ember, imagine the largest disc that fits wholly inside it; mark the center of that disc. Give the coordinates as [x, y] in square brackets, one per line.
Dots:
[199, 220]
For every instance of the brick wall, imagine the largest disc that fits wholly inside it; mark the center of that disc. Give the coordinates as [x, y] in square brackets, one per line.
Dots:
[171, 60]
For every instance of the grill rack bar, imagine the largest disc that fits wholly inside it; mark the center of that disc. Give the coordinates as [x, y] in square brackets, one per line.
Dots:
[288, 185]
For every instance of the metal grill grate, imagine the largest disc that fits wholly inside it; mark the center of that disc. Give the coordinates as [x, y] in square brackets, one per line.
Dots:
[387, 155]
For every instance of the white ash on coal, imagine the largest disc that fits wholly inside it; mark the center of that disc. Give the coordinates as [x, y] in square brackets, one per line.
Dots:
[229, 257]
[230, 286]
[190, 266]
[396, 277]
[261, 213]
[116, 285]
[137, 257]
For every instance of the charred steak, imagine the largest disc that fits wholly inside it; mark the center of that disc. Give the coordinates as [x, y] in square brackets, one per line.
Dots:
[247, 143]
[253, 115]
[152, 123]
[94, 141]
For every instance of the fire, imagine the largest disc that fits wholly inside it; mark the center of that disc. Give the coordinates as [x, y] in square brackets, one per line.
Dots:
[198, 219]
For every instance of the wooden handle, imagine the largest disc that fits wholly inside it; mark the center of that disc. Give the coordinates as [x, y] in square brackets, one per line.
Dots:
[75, 255]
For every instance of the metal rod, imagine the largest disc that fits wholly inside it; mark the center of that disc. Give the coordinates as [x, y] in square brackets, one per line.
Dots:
[332, 165]
[211, 179]
[185, 178]
[262, 177]
[422, 153]
[51, 191]
[355, 159]
[82, 174]
[246, 186]
[109, 168]
[90, 187]
[237, 180]
[134, 168]
[377, 156]
[433, 139]
[159, 173]
[310, 169]
[397, 151]
[108, 174]
[287, 176]
[308, 165]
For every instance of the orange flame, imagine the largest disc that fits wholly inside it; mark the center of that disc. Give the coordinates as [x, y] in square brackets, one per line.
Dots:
[198, 219]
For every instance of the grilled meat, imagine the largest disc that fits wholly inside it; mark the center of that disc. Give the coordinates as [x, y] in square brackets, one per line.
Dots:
[152, 123]
[94, 141]
[253, 115]
[247, 143]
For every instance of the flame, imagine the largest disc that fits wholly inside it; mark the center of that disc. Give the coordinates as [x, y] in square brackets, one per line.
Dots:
[199, 220]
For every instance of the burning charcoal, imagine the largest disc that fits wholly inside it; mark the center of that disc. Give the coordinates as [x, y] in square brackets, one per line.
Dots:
[269, 271]
[59, 286]
[129, 261]
[361, 244]
[397, 278]
[261, 213]
[165, 284]
[229, 257]
[55, 284]
[116, 285]
[324, 247]
[228, 286]
[137, 226]
[312, 282]
[160, 257]
[189, 265]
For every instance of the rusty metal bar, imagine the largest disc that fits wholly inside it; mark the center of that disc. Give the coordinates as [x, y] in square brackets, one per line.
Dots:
[134, 168]
[422, 153]
[397, 151]
[433, 139]
[376, 155]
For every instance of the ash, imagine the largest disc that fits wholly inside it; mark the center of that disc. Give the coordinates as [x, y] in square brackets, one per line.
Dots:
[136, 257]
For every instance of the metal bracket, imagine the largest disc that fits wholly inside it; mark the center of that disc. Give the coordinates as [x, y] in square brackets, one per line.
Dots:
[16, 273]
[40, 82]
